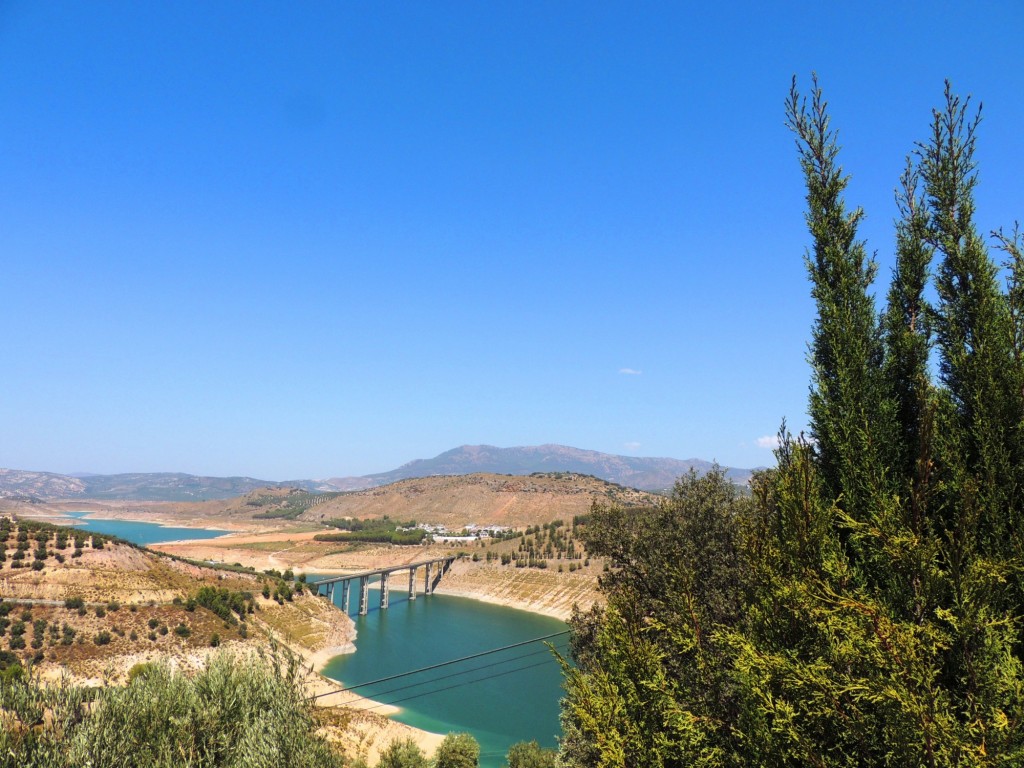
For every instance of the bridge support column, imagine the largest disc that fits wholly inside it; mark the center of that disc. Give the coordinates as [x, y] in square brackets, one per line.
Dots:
[428, 587]
[346, 589]
[384, 590]
[364, 594]
[441, 568]
[330, 593]
[412, 583]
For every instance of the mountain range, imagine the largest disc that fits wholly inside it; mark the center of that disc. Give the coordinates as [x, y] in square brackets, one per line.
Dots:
[632, 471]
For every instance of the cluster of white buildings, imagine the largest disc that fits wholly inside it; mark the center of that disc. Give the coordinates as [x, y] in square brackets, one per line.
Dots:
[468, 535]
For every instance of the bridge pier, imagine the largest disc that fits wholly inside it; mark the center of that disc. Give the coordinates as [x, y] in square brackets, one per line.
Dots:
[364, 594]
[431, 578]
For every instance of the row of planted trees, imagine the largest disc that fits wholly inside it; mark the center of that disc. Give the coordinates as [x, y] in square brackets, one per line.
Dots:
[34, 543]
[863, 607]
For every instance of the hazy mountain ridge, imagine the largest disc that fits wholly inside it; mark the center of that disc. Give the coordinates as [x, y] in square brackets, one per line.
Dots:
[630, 471]
[134, 486]
[27, 484]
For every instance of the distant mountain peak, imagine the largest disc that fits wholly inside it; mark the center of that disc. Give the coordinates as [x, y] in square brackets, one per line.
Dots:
[645, 473]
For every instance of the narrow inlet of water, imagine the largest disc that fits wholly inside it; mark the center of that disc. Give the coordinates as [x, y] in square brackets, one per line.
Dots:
[139, 532]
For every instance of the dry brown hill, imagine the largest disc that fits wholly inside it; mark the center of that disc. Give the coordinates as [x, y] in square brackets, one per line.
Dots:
[484, 499]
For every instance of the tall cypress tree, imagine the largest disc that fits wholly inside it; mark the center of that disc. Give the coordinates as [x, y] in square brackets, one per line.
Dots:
[848, 404]
[974, 332]
[906, 333]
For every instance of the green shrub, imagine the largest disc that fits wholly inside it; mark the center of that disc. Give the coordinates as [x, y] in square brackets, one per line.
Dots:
[232, 713]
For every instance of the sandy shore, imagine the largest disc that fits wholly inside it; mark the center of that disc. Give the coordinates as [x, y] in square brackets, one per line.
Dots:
[370, 728]
[562, 612]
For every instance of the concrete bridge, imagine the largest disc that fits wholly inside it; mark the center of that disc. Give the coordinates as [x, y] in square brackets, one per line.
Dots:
[433, 570]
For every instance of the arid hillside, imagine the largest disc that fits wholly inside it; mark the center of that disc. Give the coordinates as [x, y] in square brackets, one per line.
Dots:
[90, 606]
[484, 499]
[453, 501]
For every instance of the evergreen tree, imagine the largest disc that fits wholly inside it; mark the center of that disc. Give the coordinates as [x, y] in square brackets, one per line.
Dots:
[974, 331]
[906, 331]
[848, 407]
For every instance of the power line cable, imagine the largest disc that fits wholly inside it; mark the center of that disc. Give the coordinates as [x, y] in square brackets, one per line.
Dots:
[439, 665]
[457, 685]
[377, 694]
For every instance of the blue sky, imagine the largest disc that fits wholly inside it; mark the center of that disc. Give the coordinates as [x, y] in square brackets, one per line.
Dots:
[308, 240]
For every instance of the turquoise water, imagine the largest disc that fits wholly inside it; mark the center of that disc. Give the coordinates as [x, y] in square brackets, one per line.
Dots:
[499, 698]
[139, 532]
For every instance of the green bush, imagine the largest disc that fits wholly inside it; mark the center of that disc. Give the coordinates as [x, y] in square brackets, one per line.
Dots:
[235, 714]
[458, 750]
[402, 753]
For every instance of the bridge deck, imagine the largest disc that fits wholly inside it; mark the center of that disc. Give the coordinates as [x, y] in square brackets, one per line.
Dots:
[382, 571]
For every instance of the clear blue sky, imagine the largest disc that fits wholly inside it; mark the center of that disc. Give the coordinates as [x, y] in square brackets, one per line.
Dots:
[316, 239]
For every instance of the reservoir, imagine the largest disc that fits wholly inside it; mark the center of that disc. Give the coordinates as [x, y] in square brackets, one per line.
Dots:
[141, 533]
[500, 698]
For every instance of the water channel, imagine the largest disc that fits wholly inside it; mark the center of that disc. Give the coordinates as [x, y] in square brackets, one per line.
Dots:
[139, 532]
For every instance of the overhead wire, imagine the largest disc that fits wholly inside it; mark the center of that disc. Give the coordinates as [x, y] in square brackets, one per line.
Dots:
[378, 694]
[440, 665]
[457, 685]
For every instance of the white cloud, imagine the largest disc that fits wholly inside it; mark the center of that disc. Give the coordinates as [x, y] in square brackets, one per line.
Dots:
[768, 441]
[631, 446]
[630, 371]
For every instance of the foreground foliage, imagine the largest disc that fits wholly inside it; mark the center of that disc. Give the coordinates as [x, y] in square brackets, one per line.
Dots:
[863, 607]
[232, 713]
